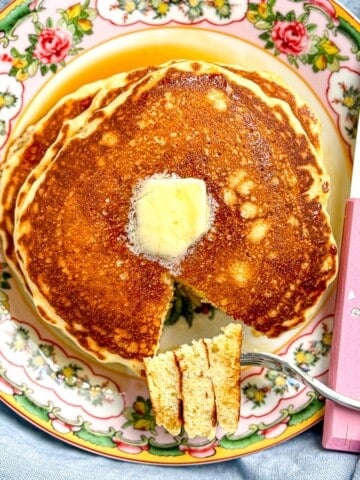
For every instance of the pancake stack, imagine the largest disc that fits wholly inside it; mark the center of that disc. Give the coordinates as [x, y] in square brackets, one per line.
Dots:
[197, 387]
[67, 193]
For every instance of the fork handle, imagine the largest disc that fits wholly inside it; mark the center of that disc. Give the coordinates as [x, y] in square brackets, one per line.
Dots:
[342, 426]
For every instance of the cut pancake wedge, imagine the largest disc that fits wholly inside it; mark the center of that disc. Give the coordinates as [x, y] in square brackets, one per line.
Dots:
[163, 378]
[224, 352]
[197, 391]
[197, 386]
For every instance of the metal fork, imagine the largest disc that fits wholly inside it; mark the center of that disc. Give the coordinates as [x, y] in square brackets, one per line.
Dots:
[275, 362]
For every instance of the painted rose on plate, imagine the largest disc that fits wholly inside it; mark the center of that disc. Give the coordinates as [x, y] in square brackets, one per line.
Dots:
[53, 44]
[290, 37]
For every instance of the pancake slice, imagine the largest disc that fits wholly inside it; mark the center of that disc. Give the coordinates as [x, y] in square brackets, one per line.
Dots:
[196, 390]
[197, 386]
[224, 354]
[163, 379]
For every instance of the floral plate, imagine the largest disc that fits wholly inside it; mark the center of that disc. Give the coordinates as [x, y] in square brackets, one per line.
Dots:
[46, 51]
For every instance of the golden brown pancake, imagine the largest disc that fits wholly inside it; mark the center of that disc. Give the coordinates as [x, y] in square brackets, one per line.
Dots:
[268, 257]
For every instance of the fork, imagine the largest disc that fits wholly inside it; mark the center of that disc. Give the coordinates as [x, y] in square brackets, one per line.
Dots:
[275, 362]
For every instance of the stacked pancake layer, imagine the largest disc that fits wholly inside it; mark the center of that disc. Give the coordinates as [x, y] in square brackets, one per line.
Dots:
[269, 255]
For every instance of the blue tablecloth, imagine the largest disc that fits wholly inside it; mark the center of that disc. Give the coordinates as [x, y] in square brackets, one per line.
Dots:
[26, 453]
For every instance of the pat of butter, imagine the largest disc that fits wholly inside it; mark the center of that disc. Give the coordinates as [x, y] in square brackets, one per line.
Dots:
[171, 214]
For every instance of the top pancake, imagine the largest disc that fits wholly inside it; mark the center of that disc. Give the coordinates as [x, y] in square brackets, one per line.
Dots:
[268, 256]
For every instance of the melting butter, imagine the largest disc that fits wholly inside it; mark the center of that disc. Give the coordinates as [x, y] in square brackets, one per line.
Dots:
[171, 214]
